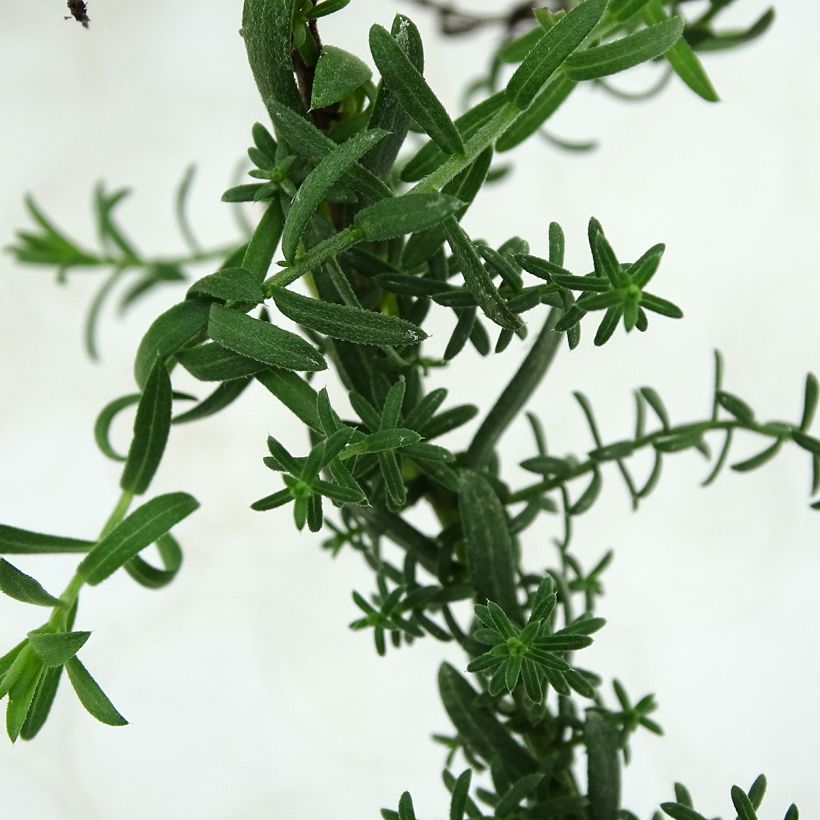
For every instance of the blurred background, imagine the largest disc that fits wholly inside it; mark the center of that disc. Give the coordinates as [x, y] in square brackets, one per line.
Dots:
[247, 694]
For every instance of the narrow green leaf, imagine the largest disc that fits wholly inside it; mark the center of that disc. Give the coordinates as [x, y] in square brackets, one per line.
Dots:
[810, 398]
[391, 218]
[139, 530]
[381, 441]
[743, 806]
[656, 403]
[262, 341]
[223, 396]
[757, 791]
[662, 306]
[314, 189]
[430, 156]
[519, 791]
[14, 541]
[22, 587]
[736, 406]
[229, 285]
[41, 703]
[806, 442]
[352, 324]
[22, 692]
[481, 731]
[490, 547]
[548, 100]
[646, 44]
[387, 112]
[477, 279]
[151, 426]
[295, 393]
[337, 74]
[758, 460]
[460, 795]
[393, 479]
[412, 91]
[603, 767]
[682, 56]
[211, 362]
[56, 649]
[642, 270]
[266, 28]
[307, 141]
[589, 496]
[91, 695]
[677, 811]
[264, 241]
[170, 331]
[554, 47]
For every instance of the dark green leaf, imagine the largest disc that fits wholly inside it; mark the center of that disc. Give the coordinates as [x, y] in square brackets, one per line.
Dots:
[758, 460]
[267, 26]
[14, 541]
[662, 306]
[337, 74]
[151, 426]
[681, 56]
[490, 547]
[478, 279]
[603, 767]
[806, 442]
[410, 213]
[545, 104]
[460, 795]
[349, 323]
[656, 403]
[554, 47]
[677, 811]
[758, 791]
[229, 285]
[295, 393]
[519, 791]
[317, 184]
[212, 362]
[262, 341]
[736, 406]
[479, 728]
[305, 140]
[44, 695]
[22, 587]
[387, 112]
[91, 696]
[810, 399]
[56, 649]
[223, 396]
[381, 441]
[589, 496]
[139, 530]
[743, 806]
[625, 53]
[412, 91]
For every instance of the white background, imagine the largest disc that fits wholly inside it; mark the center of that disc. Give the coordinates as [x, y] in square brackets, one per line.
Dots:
[248, 696]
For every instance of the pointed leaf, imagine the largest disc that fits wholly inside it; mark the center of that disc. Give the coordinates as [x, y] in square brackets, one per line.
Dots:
[138, 531]
[14, 541]
[92, 696]
[391, 218]
[57, 649]
[337, 74]
[22, 587]
[229, 285]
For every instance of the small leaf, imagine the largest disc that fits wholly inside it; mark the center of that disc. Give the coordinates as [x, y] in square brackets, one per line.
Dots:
[682, 56]
[411, 213]
[412, 91]
[460, 795]
[519, 791]
[138, 531]
[743, 806]
[489, 545]
[262, 341]
[22, 587]
[337, 74]
[603, 767]
[625, 53]
[314, 189]
[477, 279]
[758, 460]
[151, 427]
[550, 52]
[810, 399]
[589, 496]
[211, 362]
[656, 403]
[91, 696]
[806, 442]
[57, 649]
[229, 285]
[14, 541]
[677, 811]
[351, 324]
[381, 441]
[737, 407]
[170, 331]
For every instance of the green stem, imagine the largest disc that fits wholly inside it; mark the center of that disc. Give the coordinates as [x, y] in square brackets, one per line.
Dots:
[516, 394]
[548, 484]
[58, 618]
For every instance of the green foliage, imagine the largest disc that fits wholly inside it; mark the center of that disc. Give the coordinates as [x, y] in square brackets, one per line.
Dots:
[371, 256]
